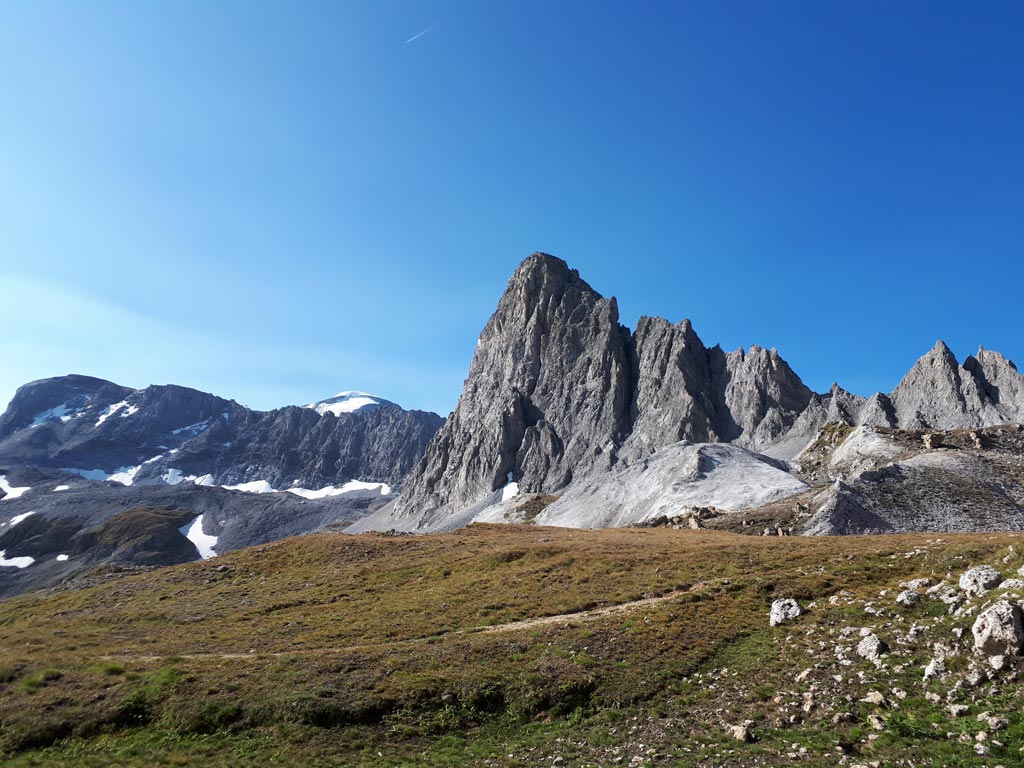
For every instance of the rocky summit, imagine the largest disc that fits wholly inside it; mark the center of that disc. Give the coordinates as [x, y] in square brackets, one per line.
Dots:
[561, 398]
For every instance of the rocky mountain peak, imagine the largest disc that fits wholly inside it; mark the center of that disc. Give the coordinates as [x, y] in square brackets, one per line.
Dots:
[557, 390]
[54, 400]
[547, 393]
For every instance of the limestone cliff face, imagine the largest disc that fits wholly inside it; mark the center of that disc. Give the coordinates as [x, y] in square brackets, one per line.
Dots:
[939, 393]
[558, 390]
[685, 391]
[547, 394]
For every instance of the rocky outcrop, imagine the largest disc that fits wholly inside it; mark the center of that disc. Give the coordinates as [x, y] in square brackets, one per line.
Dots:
[685, 391]
[998, 631]
[939, 393]
[894, 481]
[784, 610]
[980, 579]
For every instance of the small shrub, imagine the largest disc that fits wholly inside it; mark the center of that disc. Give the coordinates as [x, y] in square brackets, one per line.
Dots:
[8, 673]
[489, 698]
[211, 717]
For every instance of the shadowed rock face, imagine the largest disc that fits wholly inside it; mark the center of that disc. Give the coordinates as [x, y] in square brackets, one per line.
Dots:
[90, 424]
[559, 390]
[547, 396]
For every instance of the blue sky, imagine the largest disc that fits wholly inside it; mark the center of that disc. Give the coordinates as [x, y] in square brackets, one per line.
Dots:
[277, 201]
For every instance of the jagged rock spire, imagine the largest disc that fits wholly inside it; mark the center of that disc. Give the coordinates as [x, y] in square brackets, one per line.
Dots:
[558, 389]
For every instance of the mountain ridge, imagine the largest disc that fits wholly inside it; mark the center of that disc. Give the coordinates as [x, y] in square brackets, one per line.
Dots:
[86, 423]
[559, 389]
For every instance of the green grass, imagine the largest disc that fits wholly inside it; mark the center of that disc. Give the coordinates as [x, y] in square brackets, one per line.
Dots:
[371, 650]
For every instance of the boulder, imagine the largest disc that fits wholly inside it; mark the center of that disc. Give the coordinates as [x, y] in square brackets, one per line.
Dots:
[784, 610]
[998, 630]
[741, 733]
[872, 647]
[908, 597]
[980, 579]
[935, 668]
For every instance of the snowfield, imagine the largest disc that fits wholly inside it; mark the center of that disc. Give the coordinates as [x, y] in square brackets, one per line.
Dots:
[128, 410]
[59, 413]
[15, 562]
[18, 518]
[204, 542]
[351, 487]
[10, 491]
[347, 402]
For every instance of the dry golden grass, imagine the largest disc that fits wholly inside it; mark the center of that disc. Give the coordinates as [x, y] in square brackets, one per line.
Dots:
[387, 635]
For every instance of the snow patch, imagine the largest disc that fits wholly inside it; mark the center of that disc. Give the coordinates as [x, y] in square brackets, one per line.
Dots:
[60, 488]
[351, 487]
[122, 475]
[12, 492]
[347, 402]
[15, 562]
[173, 476]
[255, 486]
[203, 542]
[204, 480]
[110, 410]
[18, 518]
[125, 475]
[199, 426]
[61, 558]
[510, 491]
[61, 412]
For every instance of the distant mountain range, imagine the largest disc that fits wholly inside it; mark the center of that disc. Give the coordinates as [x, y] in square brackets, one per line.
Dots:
[78, 452]
[567, 417]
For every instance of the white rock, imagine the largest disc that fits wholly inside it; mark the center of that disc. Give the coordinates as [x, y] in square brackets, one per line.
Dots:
[936, 668]
[871, 647]
[741, 733]
[978, 580]
[908, 597]
[998, 630]
[783, 610]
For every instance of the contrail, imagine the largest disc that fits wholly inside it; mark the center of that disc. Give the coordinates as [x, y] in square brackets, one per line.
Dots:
[426, 31]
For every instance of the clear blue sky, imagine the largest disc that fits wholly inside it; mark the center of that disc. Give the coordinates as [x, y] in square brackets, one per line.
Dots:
[276, 201]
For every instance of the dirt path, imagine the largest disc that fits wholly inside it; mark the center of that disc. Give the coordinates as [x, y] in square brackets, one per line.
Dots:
[560, 619]
[571, 618]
